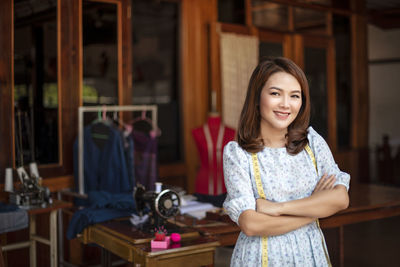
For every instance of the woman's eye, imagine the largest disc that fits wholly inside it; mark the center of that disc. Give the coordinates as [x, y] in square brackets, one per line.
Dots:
[296, 96]
[274, 93]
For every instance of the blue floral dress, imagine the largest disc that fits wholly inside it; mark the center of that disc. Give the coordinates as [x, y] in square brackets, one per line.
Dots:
[284, 177]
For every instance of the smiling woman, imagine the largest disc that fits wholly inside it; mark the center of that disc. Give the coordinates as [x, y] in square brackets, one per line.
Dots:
[250, 134]
[280, 102]
[280, 176]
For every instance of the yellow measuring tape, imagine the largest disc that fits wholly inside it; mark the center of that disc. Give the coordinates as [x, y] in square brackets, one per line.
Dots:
[311, 154]
[260, 190]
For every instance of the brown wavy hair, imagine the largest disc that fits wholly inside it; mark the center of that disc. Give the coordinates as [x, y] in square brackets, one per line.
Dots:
[248, 134]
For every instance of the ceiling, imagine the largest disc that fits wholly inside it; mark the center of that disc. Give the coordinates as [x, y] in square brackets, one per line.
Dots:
[382, 4]
[384, 13]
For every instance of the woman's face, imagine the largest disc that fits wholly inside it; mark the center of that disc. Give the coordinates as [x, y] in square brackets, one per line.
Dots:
[280, 101]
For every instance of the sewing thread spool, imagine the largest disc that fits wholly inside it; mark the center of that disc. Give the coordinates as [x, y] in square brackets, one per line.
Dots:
[158, 187]
[34, 169]
[9, 183]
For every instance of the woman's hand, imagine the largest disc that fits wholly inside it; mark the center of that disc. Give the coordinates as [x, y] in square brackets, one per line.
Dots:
[325, 183]
[268, 207]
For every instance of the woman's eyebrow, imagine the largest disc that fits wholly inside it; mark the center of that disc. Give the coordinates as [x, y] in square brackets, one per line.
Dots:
[276, 88]
[280, 89]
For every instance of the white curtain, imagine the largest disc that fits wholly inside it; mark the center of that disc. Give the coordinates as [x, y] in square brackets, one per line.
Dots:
[239, 57]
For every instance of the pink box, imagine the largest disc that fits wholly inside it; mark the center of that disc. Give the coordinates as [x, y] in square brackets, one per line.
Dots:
[161, 244]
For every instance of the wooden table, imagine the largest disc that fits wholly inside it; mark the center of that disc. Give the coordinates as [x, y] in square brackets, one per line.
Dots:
[34, 238]
[125, 241]
[367, 202]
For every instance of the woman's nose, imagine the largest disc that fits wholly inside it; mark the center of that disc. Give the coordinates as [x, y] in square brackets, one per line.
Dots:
[284, 102]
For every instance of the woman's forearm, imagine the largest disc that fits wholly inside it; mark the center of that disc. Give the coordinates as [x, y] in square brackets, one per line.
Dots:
[319, 205]
[254, 223]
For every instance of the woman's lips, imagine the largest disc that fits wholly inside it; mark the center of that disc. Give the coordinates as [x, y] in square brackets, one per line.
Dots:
[281, 115]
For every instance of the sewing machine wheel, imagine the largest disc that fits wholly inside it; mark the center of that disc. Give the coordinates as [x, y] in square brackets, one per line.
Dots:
[167, 203]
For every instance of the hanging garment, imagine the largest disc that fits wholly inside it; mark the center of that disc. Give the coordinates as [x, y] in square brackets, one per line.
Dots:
[108, 178]
[104, 160]
[129, 156]
[145, 159]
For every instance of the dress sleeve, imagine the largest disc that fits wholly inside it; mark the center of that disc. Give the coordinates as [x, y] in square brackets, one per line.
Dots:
[325, 161]
[238, 184]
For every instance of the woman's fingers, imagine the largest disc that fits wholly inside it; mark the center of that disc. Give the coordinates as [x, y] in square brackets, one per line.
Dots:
[328, 182]
[331, 183]
[320, 183]
[325, 183]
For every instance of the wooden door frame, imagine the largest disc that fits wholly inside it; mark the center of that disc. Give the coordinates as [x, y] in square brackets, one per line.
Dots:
[6, 85]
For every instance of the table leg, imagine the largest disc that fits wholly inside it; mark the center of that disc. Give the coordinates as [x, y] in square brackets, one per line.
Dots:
[105, 258]
[32, 232]
[53, 239]
[2, 264]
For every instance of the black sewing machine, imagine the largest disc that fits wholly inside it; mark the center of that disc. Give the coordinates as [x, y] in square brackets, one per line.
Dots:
[30, 191]
[161, 204]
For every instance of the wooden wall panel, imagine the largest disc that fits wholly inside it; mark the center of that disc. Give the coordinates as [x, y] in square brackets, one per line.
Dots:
[126, 19]
[194, 23]
[200, 73]
[6, 80]
[360, 91]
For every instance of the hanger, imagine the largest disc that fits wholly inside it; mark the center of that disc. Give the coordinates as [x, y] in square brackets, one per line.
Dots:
[155, 131]
[127, 127]
[99, 132]
[102, 117]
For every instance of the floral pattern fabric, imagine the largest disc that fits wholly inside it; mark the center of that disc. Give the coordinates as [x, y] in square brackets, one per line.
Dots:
[284, 177]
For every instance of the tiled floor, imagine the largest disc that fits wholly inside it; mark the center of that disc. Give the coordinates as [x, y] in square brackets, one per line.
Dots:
[370, 244]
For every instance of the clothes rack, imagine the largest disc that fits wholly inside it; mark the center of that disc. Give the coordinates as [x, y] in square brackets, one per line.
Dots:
[82, 110]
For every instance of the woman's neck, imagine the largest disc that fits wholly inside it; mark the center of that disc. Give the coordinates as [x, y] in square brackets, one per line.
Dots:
[274, 137]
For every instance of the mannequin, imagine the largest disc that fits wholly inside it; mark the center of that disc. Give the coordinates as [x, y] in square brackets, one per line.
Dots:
[210, 140]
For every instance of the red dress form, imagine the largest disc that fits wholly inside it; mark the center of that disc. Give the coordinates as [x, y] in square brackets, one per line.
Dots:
[210, 140]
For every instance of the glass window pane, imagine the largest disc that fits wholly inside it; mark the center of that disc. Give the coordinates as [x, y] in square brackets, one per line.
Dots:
[231, 11]
[100, 53]
[309, 21]
[155, 39]
[329, 3]
[35, 82]
[270, 15]
[317, 2]
[315, 69]
[341, 31]
[268, 49]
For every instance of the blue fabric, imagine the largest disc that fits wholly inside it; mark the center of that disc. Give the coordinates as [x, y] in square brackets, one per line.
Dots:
[104, 169]
[88, 216]
[4, 207]
[104, 206]
[103, 199]
[13, 220]
[108, 180]
[129, 157]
